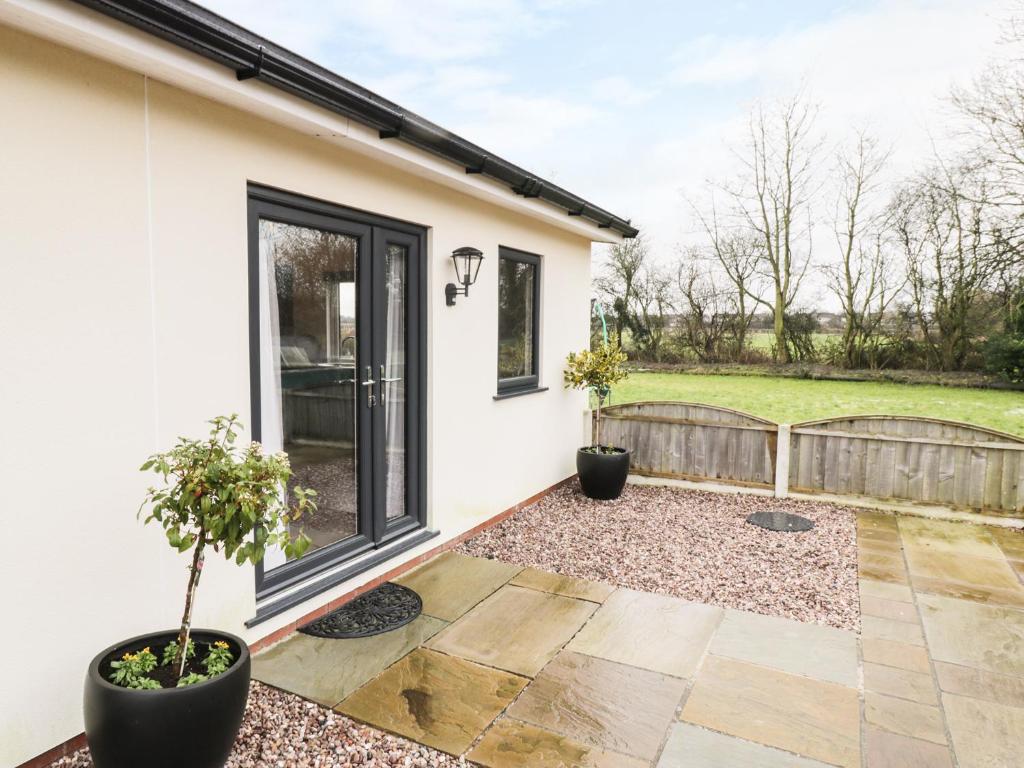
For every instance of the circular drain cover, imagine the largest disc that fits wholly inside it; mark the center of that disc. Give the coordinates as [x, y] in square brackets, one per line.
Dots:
[780, 521]
[380, 610]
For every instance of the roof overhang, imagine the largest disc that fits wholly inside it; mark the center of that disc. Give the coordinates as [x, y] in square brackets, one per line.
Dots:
[190, 48]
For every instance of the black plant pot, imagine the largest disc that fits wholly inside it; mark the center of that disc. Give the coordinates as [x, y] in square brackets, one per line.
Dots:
[603, 475]
[193, 726]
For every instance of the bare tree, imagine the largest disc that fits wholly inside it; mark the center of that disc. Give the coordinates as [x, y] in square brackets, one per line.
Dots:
[994, 108]
[864, 276]
[708, 319]
[954, 255]
[653, 299]
[772, 201]
[617, 282]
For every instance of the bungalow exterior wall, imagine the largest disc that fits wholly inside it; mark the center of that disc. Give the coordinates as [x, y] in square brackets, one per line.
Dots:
[123, 304]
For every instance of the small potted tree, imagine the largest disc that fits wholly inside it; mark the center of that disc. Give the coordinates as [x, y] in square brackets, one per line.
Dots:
[602, 469]
[176, 698]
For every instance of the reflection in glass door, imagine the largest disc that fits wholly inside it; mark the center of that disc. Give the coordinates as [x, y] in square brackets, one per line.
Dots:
[335, 374]
[309, 388]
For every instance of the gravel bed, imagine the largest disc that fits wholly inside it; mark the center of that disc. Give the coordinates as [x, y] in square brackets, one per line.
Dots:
[691, 544]
[285, 731]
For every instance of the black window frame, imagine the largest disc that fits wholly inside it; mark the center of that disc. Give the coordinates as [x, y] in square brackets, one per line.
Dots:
[521, 384]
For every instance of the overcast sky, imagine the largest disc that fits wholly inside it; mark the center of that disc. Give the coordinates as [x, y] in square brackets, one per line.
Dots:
[633, 104]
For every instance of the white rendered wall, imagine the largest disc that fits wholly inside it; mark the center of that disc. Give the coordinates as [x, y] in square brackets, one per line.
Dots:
[123, 313]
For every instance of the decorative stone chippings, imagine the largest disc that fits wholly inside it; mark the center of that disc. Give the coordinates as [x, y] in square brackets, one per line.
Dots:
[285, 731]
[695, 545]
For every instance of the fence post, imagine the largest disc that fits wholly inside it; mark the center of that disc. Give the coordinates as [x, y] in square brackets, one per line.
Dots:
[782, 462]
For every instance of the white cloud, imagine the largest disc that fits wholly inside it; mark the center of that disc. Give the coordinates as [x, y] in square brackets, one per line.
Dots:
[622, 90]
[427, 30]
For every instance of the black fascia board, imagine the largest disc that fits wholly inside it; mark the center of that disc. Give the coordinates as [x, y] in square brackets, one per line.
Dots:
[197, 29]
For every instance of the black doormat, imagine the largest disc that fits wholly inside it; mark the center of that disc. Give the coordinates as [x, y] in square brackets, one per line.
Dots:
[780, 521]
[380, 610]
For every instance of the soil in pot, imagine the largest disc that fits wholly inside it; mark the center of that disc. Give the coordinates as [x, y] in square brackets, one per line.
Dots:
[165, 674]
[602, 471]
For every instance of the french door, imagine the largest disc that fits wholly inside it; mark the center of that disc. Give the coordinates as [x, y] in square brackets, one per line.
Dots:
[336, 350]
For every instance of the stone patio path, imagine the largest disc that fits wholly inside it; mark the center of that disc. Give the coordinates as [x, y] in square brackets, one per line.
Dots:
[518, 668]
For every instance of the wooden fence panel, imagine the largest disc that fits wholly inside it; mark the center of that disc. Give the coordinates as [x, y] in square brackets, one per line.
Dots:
[912, 459]
[693, 442]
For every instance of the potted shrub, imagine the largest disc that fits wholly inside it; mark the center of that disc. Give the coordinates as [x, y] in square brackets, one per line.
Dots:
[176, 698]
[602, 468]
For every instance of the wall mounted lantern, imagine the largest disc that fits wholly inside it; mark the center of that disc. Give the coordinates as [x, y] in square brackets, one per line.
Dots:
[467, 265]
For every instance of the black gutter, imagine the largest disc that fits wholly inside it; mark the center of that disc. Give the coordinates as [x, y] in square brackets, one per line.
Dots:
[251, 56]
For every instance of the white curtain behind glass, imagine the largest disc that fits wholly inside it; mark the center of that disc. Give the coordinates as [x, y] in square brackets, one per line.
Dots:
[271, 418]
[394, 395]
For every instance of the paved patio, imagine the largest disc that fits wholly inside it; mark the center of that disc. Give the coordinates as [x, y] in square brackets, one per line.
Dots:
[518, 667]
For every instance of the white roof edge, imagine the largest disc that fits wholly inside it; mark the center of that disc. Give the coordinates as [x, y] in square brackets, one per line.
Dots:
[81, 29]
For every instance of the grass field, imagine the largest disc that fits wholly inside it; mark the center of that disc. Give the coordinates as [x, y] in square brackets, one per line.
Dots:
[788, 400]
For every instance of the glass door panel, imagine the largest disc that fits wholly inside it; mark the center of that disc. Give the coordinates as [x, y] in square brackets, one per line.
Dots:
[309, 290]
[393, 380]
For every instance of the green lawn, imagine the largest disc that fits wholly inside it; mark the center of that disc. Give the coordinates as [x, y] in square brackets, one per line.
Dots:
[788, 400]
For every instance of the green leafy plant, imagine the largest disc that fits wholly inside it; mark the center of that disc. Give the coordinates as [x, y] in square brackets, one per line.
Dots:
[235, 501]
[191, 679]
[596, 370]
[171, 652]
[132, 669]
[218, 659]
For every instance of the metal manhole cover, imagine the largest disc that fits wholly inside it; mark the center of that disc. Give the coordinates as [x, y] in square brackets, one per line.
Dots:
[380, 610]
[780, 521]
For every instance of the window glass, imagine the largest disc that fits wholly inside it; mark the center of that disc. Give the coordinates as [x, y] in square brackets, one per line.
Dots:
[517, 292]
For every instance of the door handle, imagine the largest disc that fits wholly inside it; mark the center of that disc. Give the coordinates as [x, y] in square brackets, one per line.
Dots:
[385, 380]
[370, 399]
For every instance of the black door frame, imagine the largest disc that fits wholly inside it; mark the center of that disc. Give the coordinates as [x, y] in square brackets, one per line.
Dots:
[373, 232]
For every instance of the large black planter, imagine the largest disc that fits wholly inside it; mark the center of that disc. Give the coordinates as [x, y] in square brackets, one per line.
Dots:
[602, 475]
[193, 727]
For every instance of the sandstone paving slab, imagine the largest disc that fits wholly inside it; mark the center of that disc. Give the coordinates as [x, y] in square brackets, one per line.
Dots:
[602, 703]
[326, 671]
[889, 545]
[878, 521]
[957, 539]
[960, 568]
[515, 629]
[452, 583]
[512, 743]
[813, 718]
[881, 567]
[908, 718]
[901, 683]
[883, 749]
[812, 650]
[978, 593]
[974, 635]
[874, 628]
[979, 684]
[894, 654]
[888, 609]
[983, 579]
[985, 734]
[1010, 541]
[885, 590]
[691, 747]
[567, 586]
[437, 700]
[655, 632]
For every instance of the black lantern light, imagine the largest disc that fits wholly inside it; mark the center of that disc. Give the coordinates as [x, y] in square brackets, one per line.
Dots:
[467, 264]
